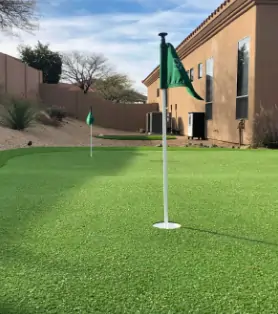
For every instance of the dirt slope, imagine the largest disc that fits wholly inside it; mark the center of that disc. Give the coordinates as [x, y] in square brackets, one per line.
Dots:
[72, 133]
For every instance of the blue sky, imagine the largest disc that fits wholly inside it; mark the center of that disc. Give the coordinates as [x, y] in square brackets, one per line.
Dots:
[124, 31]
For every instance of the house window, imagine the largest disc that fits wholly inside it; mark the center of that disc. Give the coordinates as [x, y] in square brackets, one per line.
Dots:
[200, 70]
[242, 107]
[243, 55]
[209, 88]
[208, 111]
[157, 92]
[191, 74]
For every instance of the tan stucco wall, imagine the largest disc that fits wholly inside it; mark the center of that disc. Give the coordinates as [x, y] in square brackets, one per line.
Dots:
[125, 117]
[18, 79]
[223, 48]
[15, 79]
[152, 92]
[2, 72]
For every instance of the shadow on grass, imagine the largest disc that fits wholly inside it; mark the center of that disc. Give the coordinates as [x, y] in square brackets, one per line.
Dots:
[29, 192]
[220, 234]
[27, 195]
[19, 183]
[9, 309]
[7, 155]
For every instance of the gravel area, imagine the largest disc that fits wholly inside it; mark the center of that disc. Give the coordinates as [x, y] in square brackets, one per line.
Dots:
[71, 133]
[76, 133]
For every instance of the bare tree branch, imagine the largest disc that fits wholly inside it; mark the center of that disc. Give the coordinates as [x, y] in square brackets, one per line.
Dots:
[20, 14]
[83, 70]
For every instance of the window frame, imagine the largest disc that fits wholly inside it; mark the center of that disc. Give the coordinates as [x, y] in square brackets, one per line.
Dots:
[157, 92]
[191, 74]
[200, 70]
[247, 109]
[210, 102]
[245, 96]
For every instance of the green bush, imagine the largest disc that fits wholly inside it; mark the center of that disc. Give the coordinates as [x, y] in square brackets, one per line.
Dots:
[43, 117]
[266, 127]
[18, 114]
[57, 113]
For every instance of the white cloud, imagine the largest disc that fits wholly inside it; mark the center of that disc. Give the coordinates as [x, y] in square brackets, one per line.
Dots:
[197, 4]
[129, 41]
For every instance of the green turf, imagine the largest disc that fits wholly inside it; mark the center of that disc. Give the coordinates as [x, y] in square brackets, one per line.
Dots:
[76, 233]
[138, 137]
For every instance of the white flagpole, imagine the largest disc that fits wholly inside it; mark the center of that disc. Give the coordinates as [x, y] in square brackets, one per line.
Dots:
[164, 156]
[165, 224]
[91, 140]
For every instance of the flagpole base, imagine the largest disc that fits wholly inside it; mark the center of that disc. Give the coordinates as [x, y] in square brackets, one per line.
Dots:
[166, 225]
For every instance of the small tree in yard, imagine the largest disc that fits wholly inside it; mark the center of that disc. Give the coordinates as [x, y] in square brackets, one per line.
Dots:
[134, 96]
[113, 87]
[266, 127]
[42, 58]
[20, 14]
[83, 69]
[118, 88]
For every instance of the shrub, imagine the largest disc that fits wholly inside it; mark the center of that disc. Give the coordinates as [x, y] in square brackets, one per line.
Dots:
[18, 113]
[266, 127]
[45, 119]
[57, 113]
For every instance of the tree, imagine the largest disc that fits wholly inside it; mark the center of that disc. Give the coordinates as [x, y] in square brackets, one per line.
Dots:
[84, 70]
[42, 58]
[135, 96]
[19, 14]
[118, 88]
[113, 87]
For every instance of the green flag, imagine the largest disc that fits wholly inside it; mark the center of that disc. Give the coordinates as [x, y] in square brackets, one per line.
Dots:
[172, 72]
[90, 119]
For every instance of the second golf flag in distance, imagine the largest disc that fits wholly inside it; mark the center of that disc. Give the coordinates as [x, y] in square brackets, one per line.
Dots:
[90, 119]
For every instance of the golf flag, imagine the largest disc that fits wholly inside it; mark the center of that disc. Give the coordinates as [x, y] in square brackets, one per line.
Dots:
[172, 72]
[90, 119]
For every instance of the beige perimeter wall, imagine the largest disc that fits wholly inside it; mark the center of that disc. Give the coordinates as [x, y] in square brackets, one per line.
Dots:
[126, 117]
[18, 79]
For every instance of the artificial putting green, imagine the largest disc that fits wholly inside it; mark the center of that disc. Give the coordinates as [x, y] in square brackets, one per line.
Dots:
[139, 137]
[76, 233]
